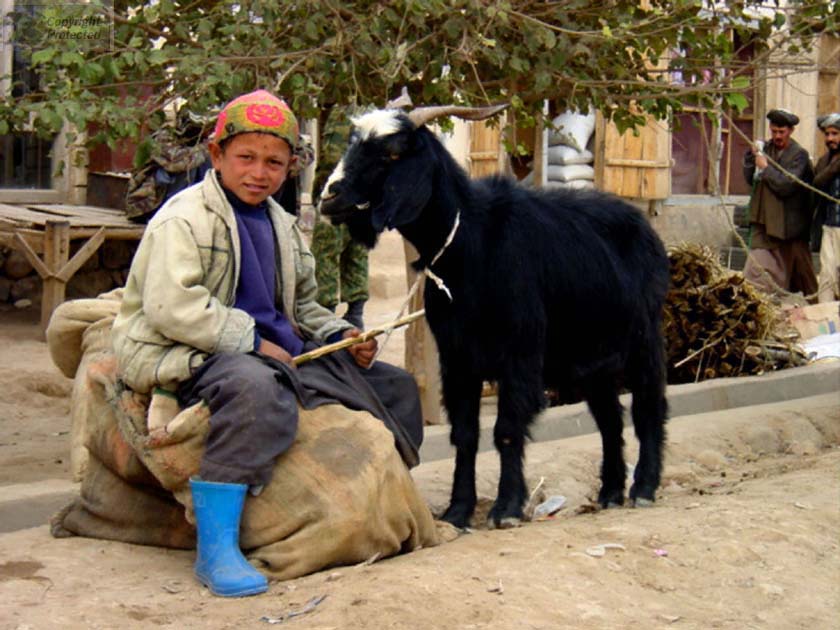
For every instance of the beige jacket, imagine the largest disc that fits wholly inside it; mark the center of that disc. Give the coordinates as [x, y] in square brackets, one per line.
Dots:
[179, 295]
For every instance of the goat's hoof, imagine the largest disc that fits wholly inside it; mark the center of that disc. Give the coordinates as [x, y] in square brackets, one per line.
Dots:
[506, 522]
[642, 497]
[457, 516]
[613, 499]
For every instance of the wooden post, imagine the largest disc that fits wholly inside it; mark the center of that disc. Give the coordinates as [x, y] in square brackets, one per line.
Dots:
[56, 255]
[541, 149]
[421, 358]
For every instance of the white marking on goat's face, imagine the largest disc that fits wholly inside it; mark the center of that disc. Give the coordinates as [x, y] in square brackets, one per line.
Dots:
[336, 176]
[378, 123]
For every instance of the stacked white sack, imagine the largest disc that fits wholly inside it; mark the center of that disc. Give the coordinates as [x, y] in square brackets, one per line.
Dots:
[569, 161]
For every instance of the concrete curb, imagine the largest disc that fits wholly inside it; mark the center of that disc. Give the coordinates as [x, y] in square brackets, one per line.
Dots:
[32, 504]
[566, 421]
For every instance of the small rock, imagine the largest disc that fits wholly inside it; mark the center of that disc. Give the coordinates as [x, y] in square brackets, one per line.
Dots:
[27, 287]
[16, 266]
[713, 460]
[774, 590]
[804, 447]
[332, 577]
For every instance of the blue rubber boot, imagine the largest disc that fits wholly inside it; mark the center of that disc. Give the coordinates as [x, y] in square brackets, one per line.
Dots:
[220, 565]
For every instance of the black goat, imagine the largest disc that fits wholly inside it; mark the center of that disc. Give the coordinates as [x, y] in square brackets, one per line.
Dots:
[555, 289]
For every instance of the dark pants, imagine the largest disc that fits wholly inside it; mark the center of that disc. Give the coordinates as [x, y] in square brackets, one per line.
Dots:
[253, 404]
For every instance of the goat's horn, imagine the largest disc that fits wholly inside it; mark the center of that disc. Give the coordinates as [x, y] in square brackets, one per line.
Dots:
[422, 115]
[403, 100]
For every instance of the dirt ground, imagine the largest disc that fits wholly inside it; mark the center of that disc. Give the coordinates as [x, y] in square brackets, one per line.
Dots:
[744, 535]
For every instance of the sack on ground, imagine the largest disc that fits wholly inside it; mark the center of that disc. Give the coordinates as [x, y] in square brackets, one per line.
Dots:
[340, 495]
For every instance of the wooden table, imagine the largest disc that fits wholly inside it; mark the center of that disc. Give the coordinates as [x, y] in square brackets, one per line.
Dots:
[47, 229]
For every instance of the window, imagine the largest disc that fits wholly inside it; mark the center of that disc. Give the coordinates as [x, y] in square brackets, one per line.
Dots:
[30, 167]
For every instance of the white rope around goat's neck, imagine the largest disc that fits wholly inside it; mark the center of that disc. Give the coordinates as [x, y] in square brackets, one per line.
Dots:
[423, 273]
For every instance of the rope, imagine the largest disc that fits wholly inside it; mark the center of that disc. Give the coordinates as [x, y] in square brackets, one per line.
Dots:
[423, 273]
[776, 164]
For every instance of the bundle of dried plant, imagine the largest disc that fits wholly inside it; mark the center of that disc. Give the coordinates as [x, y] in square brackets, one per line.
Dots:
[717, 324]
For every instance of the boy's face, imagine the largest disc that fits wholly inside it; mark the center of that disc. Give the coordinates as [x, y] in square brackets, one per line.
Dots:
[253, 165]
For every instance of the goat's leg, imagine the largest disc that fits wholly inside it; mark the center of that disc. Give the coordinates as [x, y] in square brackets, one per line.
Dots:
[462, 399]
[650, 410]
[520, 399]
[602, 398]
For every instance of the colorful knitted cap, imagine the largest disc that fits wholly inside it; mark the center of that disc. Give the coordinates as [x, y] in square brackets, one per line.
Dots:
[258, 111]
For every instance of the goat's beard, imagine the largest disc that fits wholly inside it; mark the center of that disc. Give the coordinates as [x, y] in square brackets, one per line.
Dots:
[361, 228]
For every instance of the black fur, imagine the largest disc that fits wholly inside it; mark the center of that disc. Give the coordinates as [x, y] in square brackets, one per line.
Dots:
[550, 290]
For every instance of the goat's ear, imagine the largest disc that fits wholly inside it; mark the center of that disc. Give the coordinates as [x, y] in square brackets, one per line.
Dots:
[408, 186]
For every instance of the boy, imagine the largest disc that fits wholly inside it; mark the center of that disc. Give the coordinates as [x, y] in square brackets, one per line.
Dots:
[220, 297]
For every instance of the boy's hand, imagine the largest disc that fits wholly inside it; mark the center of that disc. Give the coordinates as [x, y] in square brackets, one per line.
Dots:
[364, 352]
[275, 352]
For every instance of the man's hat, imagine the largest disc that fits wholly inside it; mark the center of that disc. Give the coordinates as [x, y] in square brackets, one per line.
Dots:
[829, 120]
[258, 111]
[782, 118]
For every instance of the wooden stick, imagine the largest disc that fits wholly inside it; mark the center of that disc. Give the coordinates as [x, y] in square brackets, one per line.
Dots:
[352, 341]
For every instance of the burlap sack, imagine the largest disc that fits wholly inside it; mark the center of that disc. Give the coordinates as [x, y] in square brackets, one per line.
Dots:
[340, 495]
[79, 332]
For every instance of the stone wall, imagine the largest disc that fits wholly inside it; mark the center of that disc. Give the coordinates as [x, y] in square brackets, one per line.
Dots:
[20, 284]
[695, 218]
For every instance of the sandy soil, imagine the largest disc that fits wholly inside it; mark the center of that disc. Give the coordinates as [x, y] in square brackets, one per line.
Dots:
[744, 535]
[34, 404]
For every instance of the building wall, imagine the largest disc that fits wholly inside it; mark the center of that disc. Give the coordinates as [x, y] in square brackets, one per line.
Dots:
[794, 87]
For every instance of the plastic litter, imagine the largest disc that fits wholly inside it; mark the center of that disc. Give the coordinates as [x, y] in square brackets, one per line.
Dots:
[598, 551]
[308, 607]
[550, 506]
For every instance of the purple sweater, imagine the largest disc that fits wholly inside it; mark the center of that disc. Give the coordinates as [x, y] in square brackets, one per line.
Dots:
[256, 291]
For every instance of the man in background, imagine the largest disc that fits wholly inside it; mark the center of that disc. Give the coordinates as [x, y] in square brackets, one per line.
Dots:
[780, 210]
[827, 179]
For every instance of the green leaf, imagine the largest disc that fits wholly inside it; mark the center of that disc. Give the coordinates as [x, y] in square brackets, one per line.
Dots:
[741, 83]
[92, 72]
[737, 101]
[43, 56]
[71, 58]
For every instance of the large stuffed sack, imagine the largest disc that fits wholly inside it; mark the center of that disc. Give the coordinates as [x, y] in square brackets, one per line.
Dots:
[78, 334]
[572, 129]
[340, 495]
[570, 172]
[562, 155]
